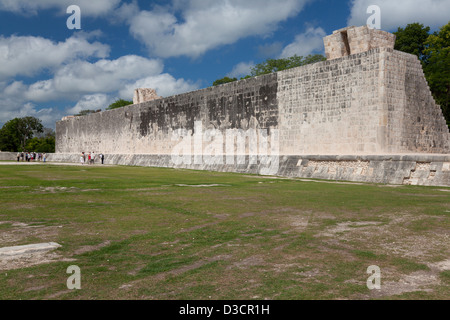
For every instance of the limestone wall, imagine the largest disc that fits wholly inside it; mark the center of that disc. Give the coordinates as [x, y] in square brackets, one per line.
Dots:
[8, 156]
[414, 169]
[374, 102]
[149, 127]
[415, 123]
[353, 40]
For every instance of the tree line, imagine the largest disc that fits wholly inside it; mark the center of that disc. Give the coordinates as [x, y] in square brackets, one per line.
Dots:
[26, 134]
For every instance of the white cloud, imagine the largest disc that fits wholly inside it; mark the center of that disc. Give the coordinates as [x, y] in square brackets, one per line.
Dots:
[206, 25]
[394, 14]
[29, 55]
[32, 7]
[241, 69]
[103, 76]
[306, 43]
[91, 102]
[164, 84]
[10, 109]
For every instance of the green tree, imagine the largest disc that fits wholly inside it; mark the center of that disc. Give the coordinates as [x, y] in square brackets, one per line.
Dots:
[412, 40]
[46, 144]
[437, 70]
[223, 80]
[16, 132]
[119, 104]
[275, 65]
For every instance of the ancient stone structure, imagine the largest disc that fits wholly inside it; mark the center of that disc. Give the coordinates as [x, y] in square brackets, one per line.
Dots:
[144, 94]
[352, 40]
[352, 117]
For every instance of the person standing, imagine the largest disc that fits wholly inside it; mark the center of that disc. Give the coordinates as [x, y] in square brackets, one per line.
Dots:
[44, 156]
[102, 157]
[18, 156]
[82, 158]
[93, 157]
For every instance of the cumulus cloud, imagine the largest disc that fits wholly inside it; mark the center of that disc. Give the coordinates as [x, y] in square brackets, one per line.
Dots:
[82, 77]
[306, 43]
[91, 102]
[394, 14]
[32, 7]
[205, 25]
[241, 69]
[27, 55]
[164, 84]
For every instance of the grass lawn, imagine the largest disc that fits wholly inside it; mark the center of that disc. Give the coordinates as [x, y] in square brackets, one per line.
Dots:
[156, 233]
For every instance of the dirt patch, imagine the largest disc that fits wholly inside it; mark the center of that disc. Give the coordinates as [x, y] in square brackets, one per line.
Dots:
[85, 249]
[416, 281]
[299, 223]
[198, 227]
[62, 189]
[440, 266]
[14, 187]
[163, 275]
[248, 262]
[348, 226]
[30, 259]
[18, 232]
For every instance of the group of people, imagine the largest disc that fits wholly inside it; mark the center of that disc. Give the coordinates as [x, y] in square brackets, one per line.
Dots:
[31, 156]
[90, 158]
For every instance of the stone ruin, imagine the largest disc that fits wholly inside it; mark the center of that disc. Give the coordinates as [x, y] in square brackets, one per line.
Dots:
[144, 94]
[353, 40]
[365, 114]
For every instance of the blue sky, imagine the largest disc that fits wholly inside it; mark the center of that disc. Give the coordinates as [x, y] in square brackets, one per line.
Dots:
[48, 71]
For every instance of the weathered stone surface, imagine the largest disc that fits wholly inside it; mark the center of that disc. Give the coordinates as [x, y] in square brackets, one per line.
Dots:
[367, 103]
[414, 169]
[29, 248]
[353, 40]
[366, 99]
[8, 156]
[144, 94]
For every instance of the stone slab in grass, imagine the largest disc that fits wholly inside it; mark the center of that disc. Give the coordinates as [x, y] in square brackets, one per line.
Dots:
[29, 248]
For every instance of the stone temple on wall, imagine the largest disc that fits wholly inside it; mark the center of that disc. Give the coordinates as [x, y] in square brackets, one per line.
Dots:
[365, 114]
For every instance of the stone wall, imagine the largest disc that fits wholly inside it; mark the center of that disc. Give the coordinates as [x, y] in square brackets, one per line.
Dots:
[411, 120]
[148, 128]
[353, 40]
[8, 156]
[416, 169]
[374, 102]
[357, 103]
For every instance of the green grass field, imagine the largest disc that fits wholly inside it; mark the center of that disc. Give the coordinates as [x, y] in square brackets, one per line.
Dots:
[155, 233]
